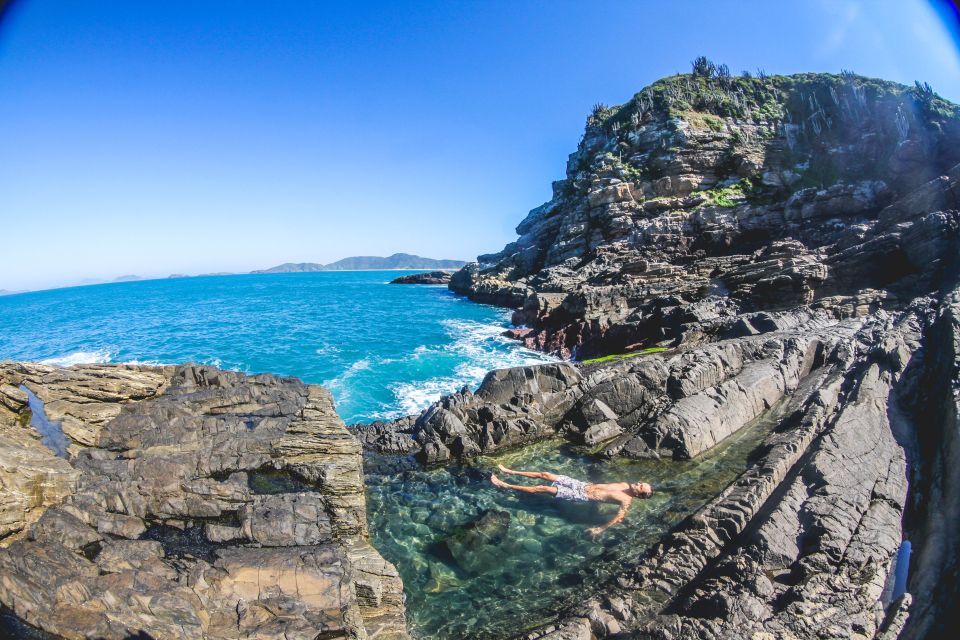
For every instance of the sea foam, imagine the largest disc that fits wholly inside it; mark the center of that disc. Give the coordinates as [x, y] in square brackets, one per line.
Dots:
[98, 356]
[483, 347]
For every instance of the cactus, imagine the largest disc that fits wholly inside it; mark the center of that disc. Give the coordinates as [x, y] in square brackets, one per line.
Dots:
[703, 68]
[903, 125]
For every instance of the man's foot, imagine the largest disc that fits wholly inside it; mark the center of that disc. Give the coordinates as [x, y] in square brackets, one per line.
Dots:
[497, 482]
[504, 469]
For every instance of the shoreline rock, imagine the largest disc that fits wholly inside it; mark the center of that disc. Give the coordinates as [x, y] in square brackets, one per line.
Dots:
[672, 221]
[209, 504]
[431, 277]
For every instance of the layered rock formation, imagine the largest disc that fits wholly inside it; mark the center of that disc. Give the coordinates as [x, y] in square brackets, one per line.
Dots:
[803, 543]
[195, 503]
[793, 242]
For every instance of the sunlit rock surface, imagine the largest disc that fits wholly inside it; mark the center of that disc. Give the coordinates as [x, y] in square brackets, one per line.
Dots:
[203, 504]
[32, 477]
[705, 198]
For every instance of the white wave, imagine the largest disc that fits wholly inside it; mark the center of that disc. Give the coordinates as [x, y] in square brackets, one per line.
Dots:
[100, 356]
[146, 363]
[484, 348]
[414, 397]
[487, 348]
[327, 349]
[338, 385]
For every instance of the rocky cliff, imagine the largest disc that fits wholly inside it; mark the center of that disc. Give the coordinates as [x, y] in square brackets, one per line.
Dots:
[705, 197]
[789, 246]
[191, 503]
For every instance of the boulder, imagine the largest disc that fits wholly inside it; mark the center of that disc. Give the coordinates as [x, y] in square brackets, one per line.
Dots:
[214, 505]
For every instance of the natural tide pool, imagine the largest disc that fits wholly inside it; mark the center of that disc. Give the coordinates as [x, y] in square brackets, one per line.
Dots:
[512, 571]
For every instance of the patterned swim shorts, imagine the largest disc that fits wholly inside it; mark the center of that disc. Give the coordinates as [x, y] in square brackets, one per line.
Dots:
[570, 489]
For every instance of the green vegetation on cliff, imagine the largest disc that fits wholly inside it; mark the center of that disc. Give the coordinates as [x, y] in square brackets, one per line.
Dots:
[805, 120]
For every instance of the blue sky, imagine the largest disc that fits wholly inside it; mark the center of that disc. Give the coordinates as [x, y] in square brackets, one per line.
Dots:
[167, 137]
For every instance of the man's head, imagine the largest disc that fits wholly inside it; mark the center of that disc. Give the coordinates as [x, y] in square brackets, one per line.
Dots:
[641, 489]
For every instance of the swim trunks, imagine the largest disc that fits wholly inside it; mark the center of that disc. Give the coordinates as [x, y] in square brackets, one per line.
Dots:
[571, 489]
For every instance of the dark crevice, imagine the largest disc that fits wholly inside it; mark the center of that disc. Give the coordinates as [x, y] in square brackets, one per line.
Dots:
[270, 481]
[179, 543]
[91, 551]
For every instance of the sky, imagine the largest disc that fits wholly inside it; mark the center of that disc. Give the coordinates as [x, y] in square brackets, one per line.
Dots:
[172, 136]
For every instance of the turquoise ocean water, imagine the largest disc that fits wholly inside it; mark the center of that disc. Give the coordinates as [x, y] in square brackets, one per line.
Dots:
[388, 350]
[383, 350]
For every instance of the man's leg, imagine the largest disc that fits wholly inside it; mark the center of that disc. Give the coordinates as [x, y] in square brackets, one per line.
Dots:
[543, 475]
[497, 482]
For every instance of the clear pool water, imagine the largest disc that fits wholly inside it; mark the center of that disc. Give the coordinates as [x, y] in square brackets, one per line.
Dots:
[496, 586]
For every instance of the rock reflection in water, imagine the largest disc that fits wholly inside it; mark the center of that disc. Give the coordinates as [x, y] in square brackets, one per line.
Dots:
[482, 563]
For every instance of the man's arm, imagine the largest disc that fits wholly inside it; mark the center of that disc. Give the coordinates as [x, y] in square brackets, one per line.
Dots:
[621, 514]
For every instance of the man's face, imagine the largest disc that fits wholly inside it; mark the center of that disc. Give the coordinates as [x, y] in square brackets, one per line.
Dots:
[641, 489]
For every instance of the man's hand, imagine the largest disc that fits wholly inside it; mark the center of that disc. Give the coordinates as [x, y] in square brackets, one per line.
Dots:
[621, 514]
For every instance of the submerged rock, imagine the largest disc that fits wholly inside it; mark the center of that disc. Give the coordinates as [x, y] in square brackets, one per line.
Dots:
[476, 546]
[216, 505]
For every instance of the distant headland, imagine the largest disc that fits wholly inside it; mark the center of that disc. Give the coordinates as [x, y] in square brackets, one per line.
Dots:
[367, 263]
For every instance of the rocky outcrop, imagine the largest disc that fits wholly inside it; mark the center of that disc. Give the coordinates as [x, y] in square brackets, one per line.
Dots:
[512, 407]
[704, 198]
[678, 404]
[83, 399]
[430, 277]
[211, 505]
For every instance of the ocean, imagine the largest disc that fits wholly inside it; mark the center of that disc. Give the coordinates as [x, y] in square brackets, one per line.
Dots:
[383, 350]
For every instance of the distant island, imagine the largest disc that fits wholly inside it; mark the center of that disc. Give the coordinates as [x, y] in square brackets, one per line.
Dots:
[6, 292]
[367, 263]
[200, 275]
